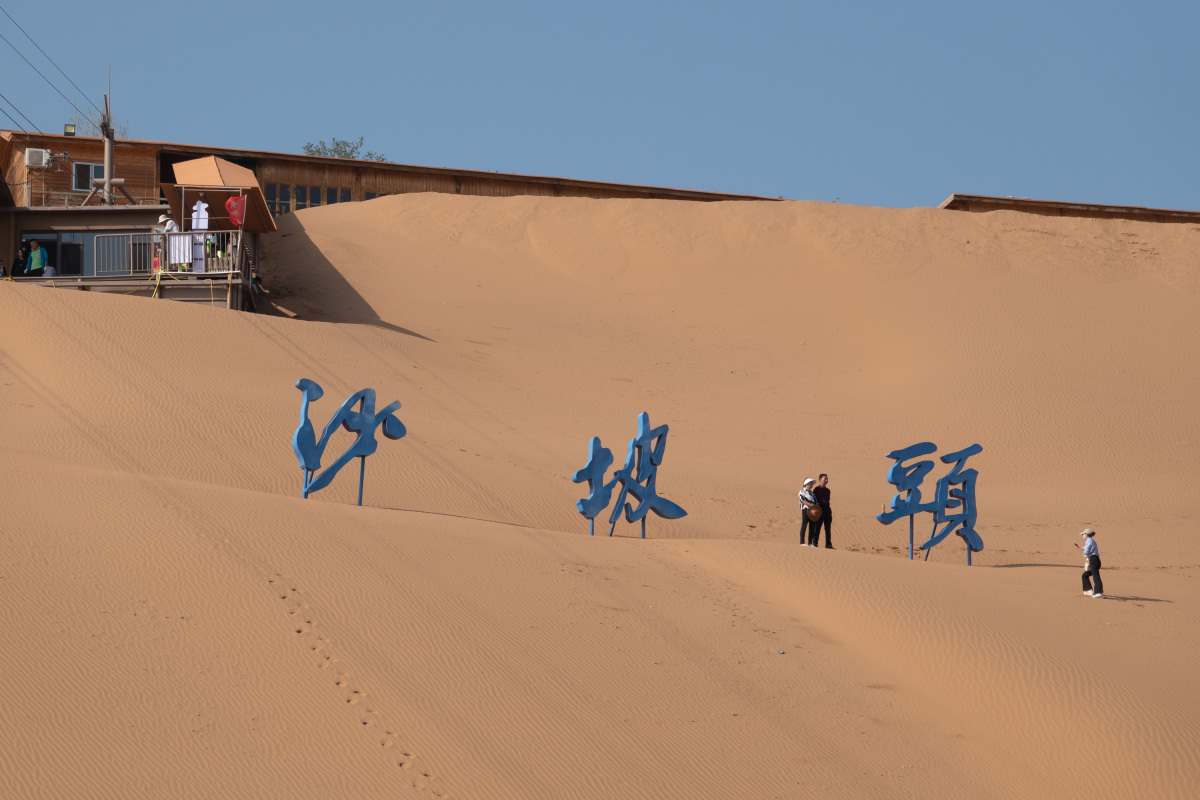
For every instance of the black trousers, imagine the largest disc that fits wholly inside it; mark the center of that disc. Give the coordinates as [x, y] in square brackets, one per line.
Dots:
[806, 526]
[1093, 573]
[826, 522]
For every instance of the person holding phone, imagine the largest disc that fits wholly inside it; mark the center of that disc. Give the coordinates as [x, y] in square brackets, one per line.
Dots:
[1092, 585]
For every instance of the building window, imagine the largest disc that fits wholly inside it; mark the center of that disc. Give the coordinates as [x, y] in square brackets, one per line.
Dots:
[278, 197]
[331, 196]
[370, 195]
[84, 174]
[314, 196]
[301, 197]
[345, 195]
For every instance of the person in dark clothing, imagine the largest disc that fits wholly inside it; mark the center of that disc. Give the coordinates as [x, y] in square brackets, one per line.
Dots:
[18, 267]
[807, 501]
[826, 520]
[1094, 586]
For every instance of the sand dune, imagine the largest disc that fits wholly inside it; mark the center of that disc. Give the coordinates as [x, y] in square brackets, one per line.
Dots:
[182, 624]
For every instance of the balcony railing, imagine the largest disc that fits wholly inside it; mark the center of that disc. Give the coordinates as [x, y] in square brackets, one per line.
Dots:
[39, 198]
[199, 253]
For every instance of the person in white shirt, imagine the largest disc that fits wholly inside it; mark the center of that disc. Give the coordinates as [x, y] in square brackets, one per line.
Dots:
[807, 501]
[1092, 585]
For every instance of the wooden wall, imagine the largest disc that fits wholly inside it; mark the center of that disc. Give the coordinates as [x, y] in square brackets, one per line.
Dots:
[361, 180]
[977, 205]
[12, 164]
[54, 186]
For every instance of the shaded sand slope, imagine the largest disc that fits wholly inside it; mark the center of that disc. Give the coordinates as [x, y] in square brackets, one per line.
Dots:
[155, 547]
[185, 640]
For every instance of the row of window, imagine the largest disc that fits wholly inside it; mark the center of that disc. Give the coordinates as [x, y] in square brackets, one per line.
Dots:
[280, 197]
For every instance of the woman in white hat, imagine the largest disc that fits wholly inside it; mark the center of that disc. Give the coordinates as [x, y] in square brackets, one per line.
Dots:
[1092, 555]
[808, 500]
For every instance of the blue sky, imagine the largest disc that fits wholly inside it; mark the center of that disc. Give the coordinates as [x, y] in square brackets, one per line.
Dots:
[874, 103]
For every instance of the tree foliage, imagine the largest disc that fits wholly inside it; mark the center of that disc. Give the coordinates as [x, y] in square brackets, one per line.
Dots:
[342, 148]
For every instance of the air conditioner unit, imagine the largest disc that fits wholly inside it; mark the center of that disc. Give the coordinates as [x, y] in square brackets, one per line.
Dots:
[37, 158]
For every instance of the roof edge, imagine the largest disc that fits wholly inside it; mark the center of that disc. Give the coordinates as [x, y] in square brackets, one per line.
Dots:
[202, 150]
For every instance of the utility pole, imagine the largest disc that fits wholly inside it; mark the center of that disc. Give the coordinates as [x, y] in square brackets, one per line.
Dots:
[106, 130]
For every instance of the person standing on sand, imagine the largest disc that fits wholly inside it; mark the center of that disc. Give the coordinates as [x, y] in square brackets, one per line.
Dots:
[807, 501]
[826, 520]
[1091, 555]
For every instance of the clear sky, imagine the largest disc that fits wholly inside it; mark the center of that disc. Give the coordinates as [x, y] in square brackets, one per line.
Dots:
[874, 103]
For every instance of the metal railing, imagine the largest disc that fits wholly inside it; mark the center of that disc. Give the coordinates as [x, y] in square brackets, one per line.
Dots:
[40, 198]
[124, 253]
[197, 252]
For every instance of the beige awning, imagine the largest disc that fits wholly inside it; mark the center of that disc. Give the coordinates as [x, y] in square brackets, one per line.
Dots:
[219, 180]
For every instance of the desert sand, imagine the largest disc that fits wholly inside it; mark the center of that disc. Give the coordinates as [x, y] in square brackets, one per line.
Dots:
[179, 623]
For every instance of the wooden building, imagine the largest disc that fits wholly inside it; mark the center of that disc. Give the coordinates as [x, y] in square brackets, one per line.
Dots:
[60, 174]
[1054, 208]
[48, 179]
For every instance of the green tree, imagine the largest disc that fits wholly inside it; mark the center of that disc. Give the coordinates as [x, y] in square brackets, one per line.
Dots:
[341, 148]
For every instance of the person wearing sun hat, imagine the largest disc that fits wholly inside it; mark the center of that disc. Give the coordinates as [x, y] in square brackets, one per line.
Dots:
[1092, 585]
[807, 501]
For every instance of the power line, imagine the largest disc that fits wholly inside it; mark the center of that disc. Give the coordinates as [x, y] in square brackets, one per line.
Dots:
[27, 119]
[39, 72]
[14, 122]
[51, 60]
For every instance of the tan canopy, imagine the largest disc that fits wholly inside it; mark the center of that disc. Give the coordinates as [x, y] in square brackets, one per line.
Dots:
[219, 180]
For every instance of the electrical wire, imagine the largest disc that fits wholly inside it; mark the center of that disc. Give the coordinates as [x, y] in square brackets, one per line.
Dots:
[39, 72]
[27, 119]
[51, 60]
[14, 122]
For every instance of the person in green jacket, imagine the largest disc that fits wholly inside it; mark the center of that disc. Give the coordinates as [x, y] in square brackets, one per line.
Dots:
[37, 261]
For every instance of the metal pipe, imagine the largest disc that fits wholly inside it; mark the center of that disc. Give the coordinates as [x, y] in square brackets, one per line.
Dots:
[108, 165]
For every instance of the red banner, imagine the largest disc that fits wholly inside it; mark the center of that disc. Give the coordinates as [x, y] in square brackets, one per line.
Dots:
[236, 206]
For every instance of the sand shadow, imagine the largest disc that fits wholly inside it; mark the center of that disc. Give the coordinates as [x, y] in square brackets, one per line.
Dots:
[301, 283]
[1131, 599]
[1013, 566]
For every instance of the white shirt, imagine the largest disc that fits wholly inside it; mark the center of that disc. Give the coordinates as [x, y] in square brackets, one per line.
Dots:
[806, 498]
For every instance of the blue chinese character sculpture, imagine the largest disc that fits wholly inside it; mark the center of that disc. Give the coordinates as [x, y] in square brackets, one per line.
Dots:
[363, 422]
[907, 478]
[638, 478]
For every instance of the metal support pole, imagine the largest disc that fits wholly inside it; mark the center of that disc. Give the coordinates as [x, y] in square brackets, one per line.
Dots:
[910, 537]
[362, 470]
[643, 527]
[592, 526]
[108, 164]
